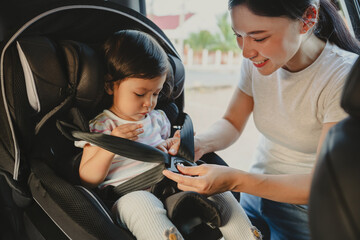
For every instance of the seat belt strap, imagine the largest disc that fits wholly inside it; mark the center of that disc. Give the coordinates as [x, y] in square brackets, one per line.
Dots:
[142, 181]
[138, 151]
[117, 145]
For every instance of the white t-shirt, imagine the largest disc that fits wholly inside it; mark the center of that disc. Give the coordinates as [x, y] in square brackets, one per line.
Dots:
[290, 109]
[156, 128]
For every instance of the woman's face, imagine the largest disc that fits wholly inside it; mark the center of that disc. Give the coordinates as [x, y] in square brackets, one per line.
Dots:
[269, 42]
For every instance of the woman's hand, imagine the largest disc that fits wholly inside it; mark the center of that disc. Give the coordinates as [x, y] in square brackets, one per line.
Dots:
[129, 131]
[207, 179]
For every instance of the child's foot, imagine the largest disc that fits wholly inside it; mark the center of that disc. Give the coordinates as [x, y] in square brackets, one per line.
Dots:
[173, 234]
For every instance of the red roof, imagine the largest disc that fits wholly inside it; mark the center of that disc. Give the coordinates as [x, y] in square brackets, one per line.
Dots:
[168, 22]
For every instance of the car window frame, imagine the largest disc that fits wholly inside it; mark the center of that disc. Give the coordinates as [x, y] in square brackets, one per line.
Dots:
[351, 10]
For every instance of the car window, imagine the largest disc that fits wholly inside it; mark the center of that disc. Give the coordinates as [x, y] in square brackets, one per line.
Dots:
[350, 10]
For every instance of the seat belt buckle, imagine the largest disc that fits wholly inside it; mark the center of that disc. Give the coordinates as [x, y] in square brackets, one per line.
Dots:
[175, 160]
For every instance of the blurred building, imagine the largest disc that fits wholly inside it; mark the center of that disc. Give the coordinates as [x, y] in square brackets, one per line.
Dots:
[174, 27]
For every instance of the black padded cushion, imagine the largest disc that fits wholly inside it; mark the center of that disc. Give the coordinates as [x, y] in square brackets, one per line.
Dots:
[350, 100]
[61, 69]
[85, 71]
[178, 72]
[334, 204]
[191, 211]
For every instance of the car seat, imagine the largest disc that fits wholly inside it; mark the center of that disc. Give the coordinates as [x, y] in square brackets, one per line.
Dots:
[40, 188]
[334, 204]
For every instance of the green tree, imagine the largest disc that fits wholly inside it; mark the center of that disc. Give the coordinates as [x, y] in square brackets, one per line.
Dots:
[224, 40]
[200, 40]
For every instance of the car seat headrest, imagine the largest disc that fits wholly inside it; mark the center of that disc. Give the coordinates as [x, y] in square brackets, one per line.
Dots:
[54, 71]
[178, 73]
[85, 71]
[350, 100]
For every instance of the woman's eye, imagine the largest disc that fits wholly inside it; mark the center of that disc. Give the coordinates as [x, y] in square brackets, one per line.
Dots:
[156, 94]
[139, 95]
[260, 40]
[237, 35]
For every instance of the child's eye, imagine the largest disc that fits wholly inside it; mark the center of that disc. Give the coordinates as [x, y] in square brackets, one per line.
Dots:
[156, 94]
[139, 95]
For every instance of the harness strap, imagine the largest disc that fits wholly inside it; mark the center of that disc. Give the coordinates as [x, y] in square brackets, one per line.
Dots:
[138, 151]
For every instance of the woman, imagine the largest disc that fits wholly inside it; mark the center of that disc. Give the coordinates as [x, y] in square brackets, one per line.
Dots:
[297, 55]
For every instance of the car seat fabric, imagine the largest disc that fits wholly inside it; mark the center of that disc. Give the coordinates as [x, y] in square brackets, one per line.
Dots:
[52, 157]
[334, 209]
[62, 76]
[73, 89]
[94, 21]
[38, 162]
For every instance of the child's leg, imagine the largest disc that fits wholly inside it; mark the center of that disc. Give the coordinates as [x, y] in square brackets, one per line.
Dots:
[144, 215]
[236, 224]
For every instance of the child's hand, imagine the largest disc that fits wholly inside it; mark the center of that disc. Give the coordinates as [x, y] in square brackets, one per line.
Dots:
[129, 131]
[171, 145]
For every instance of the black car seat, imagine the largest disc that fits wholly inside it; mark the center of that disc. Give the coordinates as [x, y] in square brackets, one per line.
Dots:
[334, 205]
[38, 165]
[68, 90]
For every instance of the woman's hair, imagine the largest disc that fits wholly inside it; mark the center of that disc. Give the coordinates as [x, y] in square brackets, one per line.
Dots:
[132, 53]
[330, 24]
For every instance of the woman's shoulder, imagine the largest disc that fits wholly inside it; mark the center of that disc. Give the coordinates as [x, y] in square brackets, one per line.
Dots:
[341, 56]
[335, 62]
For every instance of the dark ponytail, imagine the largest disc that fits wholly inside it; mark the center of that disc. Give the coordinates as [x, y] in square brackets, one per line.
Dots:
[330, 26]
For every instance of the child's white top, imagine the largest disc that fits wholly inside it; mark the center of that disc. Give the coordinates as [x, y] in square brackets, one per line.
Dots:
[156, 128]
[291, 108]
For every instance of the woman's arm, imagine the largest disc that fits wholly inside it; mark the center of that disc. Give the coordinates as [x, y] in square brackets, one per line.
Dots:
[291, 188]
[211, 179]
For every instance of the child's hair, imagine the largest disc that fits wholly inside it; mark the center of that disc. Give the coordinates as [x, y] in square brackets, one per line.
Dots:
[132, 53]
[330, 24]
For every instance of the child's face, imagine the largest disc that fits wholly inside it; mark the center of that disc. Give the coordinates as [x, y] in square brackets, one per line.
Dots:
[133, 98]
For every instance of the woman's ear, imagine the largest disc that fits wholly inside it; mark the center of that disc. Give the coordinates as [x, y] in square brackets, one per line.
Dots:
[309, 19]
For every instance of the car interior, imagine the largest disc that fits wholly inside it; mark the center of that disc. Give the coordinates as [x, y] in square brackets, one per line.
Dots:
[51, 85]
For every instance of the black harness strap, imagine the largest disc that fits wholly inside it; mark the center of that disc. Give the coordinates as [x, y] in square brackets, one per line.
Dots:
[139, 151]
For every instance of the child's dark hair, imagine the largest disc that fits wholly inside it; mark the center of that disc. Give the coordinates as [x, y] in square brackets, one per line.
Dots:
[330, 26]
[132, 53]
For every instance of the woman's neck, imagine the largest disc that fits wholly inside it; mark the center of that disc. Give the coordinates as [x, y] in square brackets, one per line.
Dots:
[309, 50]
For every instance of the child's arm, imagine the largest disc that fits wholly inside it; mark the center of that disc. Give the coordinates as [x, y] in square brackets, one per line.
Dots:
[95, 161]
